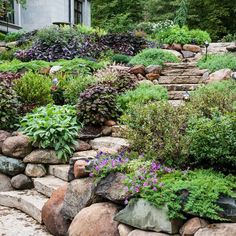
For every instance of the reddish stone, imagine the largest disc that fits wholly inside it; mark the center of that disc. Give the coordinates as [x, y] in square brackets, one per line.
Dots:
[139, 69]
[81, 146]
[191, 48]
[110, 123]
[176, 46]
[80, 169]
[95, 220]
[152, 76]
[51, 213]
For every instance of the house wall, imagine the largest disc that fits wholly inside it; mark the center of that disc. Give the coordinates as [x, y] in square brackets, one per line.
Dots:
[41, 13]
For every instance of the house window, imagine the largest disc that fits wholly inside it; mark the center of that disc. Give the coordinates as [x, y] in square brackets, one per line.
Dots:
[7, 11]
[78, 12]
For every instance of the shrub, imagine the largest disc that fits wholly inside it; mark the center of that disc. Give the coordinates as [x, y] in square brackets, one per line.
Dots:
[14, 36]
[34, 89]
[2, 36]
[97, 104]
[153, 57]
[52, 127]
[142, 95]
[183, 35]
[8, 54]
[192, 192]
[157, 128]
[211, 142]
[220, 96]
[120, 58]
[9, 77]
[218, 62]
[229, 38]
[9, 107]
[106, 74]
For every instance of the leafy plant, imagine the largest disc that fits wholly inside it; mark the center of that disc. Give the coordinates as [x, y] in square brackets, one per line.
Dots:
[199, 36]
[34, 89]
[9, 106]
[157, 129]
[192, 192]
[153, 57]
[219, 96]
[52, 127]
[143, 94]
[217, 62]
[14, 36]
[211, 142]
[120, 58]
[9, 77]
[97, 104]
[181, 14]
[229, 38]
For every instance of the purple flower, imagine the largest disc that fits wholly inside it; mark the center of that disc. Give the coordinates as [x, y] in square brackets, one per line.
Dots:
[168, 170]
[126, 189]
[97, 168]
[137, 190]
[161, 184]
[126, 201]
[145, 184]
[154, 189]
[90, 174]
[155, 181]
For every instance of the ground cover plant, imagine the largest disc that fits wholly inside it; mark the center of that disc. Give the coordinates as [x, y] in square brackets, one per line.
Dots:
[153, 57]
[218, 62]
[53, 127]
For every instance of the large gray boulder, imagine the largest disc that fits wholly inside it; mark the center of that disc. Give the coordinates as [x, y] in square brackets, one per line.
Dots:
[80, 194]
[11, 166]
[17, 146]
[113, 188]
[5, 183]
[142, 215]
[42, 156]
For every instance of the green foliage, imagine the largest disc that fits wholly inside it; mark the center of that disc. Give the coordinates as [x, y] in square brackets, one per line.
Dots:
[218, 96]
[229, 38]
[120, 58]
[9, 107]
[8, 54]
[97, 104]
[82, 29]
[52, 127]
[153, 57]
[183, 35]
[193, 192]
[142, 95]
[157, 128]
[211, 142]
[217, 62]
[34, 89]
[2, 36]
[14, 36]
[181, 14]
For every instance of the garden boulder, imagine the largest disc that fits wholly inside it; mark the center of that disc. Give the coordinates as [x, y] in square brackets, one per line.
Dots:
[42, 156]
[81, 146]
[51, 213]
[139, 69]
[191, 48]
[17, 146]
[5, 183]
[138, 232]
[192, 226]
[21, 182]
[35, 170]
[95, 220]
[155, 69]
[11, 166]
[113, 188]
[225, 229]
[80, 194]
[219, 75]
[142, 215]
[124, 230]
[3, 136]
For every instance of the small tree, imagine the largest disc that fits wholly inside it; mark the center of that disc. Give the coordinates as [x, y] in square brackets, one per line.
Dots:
[181, 14]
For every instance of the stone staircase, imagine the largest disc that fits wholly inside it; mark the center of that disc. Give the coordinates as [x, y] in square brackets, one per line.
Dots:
[179, 78]
[32, 201]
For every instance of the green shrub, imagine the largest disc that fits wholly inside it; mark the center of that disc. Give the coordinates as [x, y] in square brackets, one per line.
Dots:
[220, 96]
[2, 37]
[14, 36]
[52, 127]
[211, 142]
[8, 54]
[193, 192]
[142, 95]
[120, 58]
[97, 104]
[157, 128]
[153, 57]
[183, 35]
[74, 86]
[9, 107]
[34, 89]
[218, 62]
[229, 38]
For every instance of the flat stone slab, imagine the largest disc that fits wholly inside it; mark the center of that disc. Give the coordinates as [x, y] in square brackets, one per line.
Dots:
[59, 171]
[29, 201]
[180, 79]
[48, 184]
[14, 222]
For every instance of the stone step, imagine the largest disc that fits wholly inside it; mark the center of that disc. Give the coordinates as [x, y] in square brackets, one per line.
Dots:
[29, 201]
[59, 171]
[180, 79]
[176, 95]
[180, 65]
[185, 72]
[48, 184]
[181, 87]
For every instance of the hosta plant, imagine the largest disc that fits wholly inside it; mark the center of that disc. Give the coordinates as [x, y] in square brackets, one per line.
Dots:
[53, 127]
[97, 104]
